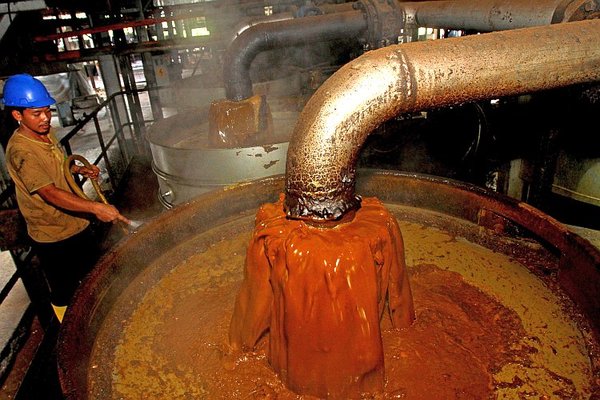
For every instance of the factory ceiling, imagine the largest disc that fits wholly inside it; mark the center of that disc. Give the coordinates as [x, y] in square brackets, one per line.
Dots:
[38, 36]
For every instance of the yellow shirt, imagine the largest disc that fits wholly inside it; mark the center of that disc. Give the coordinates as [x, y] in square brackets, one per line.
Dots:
[32, 165]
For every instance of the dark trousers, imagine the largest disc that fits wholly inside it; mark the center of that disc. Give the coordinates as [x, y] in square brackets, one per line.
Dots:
[66, 263]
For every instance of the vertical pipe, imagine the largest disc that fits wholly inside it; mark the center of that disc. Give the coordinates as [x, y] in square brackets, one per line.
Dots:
[544, 169]
[112, 85]
[148, 66]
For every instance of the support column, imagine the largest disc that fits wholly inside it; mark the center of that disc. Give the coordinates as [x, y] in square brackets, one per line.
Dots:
[118, 108]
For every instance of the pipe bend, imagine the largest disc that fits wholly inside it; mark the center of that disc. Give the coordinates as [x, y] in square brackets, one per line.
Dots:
[242, 51]
[325, 143]
[320, 170]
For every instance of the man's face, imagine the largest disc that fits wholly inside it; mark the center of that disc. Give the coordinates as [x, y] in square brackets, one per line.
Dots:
[36, 120]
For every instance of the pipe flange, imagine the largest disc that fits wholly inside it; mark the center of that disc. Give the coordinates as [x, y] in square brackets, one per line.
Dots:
[311, 207]
[577, 10]
[385, 21]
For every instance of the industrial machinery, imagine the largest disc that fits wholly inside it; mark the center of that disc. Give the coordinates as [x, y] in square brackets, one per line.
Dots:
[428, 87]
[320, 185]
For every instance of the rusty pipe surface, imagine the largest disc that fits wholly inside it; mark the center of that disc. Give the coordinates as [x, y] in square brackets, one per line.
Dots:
[488, 15]
[243, 50]
[325, 143]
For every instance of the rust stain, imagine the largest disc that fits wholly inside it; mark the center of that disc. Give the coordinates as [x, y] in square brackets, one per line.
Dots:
[270, 148]
[269, 165]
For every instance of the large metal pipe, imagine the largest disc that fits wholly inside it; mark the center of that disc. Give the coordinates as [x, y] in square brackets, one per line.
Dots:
[324, 147]
[243, 50]
[483, 16]
[489, 15]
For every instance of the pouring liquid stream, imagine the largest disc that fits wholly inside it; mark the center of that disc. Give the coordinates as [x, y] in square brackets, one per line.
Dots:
[321, 294]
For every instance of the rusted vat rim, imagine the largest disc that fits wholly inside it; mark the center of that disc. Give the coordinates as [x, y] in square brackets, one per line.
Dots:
[578, 274]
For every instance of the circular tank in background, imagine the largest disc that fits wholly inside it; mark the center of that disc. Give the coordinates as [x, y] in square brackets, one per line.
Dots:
[186, 166]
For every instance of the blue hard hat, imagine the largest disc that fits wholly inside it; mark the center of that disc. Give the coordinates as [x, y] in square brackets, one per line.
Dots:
[23, 90]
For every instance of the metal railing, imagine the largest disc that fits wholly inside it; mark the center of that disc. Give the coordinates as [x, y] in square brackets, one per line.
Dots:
[127, 135]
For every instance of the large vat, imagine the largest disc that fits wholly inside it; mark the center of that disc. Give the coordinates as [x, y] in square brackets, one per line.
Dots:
[545, 253]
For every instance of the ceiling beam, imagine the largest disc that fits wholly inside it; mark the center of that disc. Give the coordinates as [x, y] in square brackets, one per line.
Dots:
[16, 6]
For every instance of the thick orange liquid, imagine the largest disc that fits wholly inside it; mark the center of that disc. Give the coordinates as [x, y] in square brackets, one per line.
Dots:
[485, 327]
[321, 294]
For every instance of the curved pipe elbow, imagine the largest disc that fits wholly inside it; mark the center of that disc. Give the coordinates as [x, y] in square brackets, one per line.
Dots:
[325, 144]
[266, 36]
[320, 170]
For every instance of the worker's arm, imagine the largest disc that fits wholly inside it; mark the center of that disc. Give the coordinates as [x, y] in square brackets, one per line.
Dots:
[69, 201]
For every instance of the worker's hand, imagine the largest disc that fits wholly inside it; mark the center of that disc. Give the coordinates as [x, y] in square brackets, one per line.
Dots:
[91, 172]
[108, 213]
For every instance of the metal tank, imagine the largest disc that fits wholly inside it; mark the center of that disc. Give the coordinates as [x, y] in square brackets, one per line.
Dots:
[187, 166]
[98, 322]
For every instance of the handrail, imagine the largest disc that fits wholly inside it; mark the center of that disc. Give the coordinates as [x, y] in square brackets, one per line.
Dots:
[118, 132]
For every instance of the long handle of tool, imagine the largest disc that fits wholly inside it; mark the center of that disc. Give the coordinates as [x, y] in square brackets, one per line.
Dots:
[77, 190]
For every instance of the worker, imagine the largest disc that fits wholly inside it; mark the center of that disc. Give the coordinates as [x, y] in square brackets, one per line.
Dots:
[58, 221]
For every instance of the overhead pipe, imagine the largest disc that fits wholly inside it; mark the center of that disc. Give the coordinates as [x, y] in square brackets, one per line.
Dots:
[261, 37]
[391, 17]
[248, 23]
[496, 15]
[291, 13]
[325, 143]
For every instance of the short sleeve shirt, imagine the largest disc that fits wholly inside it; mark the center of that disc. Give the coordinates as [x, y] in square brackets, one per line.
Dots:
[32, 165]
